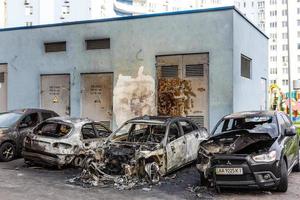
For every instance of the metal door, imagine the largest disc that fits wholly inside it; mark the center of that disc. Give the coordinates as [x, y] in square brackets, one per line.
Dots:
[96, 97]
[3, 87]
[183, 86]
[55, 93]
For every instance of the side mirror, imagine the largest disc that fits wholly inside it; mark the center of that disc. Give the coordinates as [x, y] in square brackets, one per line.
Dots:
[291, 131]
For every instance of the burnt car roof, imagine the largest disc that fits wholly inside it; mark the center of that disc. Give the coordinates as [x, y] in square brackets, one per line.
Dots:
[72, 120]
[29, 110]
[250, 114]
[154, 119]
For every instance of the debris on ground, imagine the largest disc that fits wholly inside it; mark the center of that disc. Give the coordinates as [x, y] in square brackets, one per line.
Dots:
[201, 192]
[94, 176]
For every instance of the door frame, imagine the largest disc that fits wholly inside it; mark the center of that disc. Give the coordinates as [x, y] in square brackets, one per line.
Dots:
[58, 74]
[97, 73]
[208, 78]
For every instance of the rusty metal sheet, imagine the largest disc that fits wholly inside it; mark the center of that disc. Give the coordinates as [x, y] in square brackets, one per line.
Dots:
[185, 92]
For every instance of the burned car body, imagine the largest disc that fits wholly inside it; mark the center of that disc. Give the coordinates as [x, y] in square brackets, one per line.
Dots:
[250, 150]
[147, 147]
[62, 141]
[14, 125]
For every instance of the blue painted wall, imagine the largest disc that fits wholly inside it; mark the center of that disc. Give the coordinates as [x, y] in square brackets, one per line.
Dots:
[134, 42]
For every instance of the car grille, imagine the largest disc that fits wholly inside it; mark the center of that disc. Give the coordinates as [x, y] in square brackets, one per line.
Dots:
[231, 161]
[246, 177]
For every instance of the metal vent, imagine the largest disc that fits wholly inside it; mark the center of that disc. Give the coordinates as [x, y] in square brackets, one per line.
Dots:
[2, 80]
[169, 71]
[194, 70]
[98, 44]
[106, 124]
[199, 120]
[55, 47]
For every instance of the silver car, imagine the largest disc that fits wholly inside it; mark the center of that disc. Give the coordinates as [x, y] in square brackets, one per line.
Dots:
[63, 141]
[149, 147]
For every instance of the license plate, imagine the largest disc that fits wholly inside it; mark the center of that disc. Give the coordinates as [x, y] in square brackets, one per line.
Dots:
[229, 171]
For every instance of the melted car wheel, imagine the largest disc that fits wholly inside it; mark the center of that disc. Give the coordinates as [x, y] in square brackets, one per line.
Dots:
[152, 170]
[7, 152]
[283, 184]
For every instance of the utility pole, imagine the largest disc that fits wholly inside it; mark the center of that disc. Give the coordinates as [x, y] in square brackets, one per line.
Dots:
[289, 61]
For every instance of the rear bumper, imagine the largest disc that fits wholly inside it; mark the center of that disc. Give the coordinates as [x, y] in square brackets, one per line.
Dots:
[47, 158]
[255, 175]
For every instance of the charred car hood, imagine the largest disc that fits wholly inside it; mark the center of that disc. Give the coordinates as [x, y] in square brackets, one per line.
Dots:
[238, 141]
[130, 146]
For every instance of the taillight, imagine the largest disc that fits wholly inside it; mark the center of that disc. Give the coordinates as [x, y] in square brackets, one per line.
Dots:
[62, 145]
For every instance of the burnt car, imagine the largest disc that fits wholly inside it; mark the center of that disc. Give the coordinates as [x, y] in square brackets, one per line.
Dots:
[14, 125]
[63, 141]
[148, 147]
[250, 150]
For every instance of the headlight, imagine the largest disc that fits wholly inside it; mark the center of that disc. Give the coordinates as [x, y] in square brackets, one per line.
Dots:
[266, 157]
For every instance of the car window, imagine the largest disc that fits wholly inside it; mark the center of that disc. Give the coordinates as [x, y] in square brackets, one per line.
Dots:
[101, 130]
[187, 127]
[174, 132]
[9, 119]
[29, 121]
[257, 123]
[46, 115]
[88, 132]
[140, 132]
[52, 129]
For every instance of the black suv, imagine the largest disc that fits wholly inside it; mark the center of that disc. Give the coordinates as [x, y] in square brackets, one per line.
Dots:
[250, 150]
[14, 125]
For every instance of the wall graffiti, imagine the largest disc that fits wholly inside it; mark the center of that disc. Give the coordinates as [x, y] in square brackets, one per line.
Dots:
[134, 96]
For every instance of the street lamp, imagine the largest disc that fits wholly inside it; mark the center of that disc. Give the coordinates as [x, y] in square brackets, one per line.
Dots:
[289, 61]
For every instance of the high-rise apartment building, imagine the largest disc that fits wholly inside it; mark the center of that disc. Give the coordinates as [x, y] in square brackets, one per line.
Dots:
[32, 12]
[15, 13]
[278, 18]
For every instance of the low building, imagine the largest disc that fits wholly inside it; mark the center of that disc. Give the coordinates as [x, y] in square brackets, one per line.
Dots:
[201, 63]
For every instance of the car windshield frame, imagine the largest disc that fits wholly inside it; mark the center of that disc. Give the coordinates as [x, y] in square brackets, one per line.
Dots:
[130, 124]
[9, 119]
[258, 128]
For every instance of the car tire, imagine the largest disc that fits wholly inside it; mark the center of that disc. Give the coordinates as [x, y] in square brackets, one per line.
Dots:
[296, 168]
[283, 184]
[7, 152]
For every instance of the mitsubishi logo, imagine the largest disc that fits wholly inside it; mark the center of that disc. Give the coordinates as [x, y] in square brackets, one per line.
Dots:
[228, 163]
